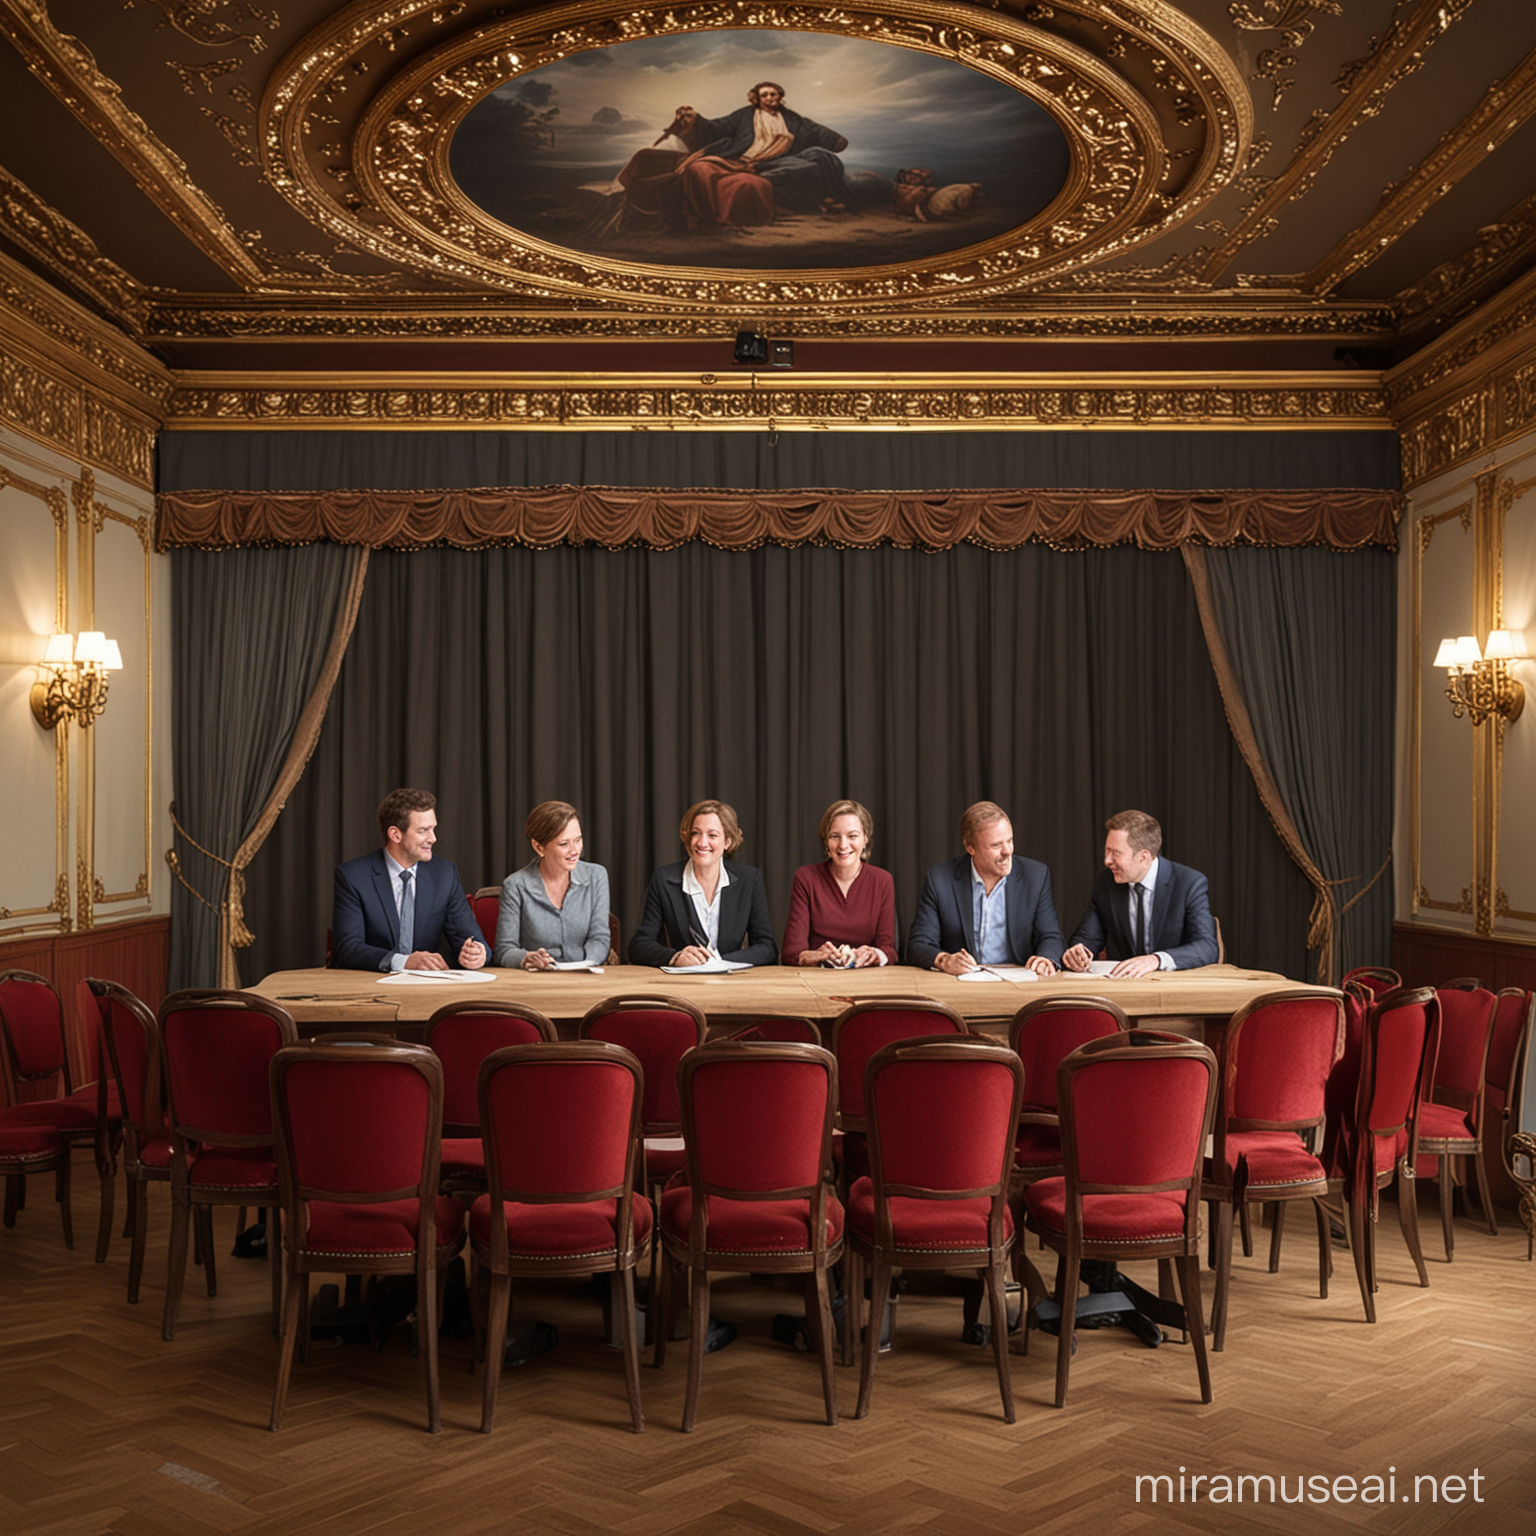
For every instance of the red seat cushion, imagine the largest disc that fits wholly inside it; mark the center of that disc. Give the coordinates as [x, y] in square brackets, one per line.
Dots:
[234, 1168]
[750, 1226]
[1443, 1122]
[73, 1115]
[919, 1224]
[1129, 1219]
[1276, 1160]
[24, 1141]
[156, 1153]
[577, 1228]
[1037, 1146]
[463, 1157]
[388, 1227]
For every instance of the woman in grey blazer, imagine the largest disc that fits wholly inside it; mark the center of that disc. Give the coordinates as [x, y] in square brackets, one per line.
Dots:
[556, 907]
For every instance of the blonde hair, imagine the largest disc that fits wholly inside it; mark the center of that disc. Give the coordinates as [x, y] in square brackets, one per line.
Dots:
[977, 816]
[733, 837]
[848, 808]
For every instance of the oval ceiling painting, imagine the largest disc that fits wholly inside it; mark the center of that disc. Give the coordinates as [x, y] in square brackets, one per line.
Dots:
[772, 150]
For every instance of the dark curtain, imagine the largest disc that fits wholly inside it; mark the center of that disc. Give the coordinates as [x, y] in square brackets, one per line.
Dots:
[251, 632]
[911, 461]
[1310, 638]
[633, 682]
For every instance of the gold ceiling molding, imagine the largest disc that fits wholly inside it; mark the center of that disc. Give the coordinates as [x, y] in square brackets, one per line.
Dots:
[542, 517]
[211, 402]
[51, 239]
[363, 152]
[1229, 316]
[1448, 291]
[1505, 106]
[1294, 20]
[1366, 85]
[67, 68]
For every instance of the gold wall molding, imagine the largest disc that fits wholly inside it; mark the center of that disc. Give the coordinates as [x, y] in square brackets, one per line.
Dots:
[55, 915]
[1368, 81]
[755, 403]
[367, 161]
[73, 383]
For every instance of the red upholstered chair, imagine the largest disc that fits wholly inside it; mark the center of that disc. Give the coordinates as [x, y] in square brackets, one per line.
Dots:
[358, 1129]
[757, 1122]
[562, 1128]
[1508, 1053]
[943, 1114]
[1135, 1113]
[131, 1040]
[659, 1031]
[218, 1047]
[1376, 979]
[463, 1034]
[1379, 1139]
[1279, 1051]
[1451, 1116]
[32, 1146]
[1044, 1033]
[780, 1027]
[36, 1062]
[486, 905]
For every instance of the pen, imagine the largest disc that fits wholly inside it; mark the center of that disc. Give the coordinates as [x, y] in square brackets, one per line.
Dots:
[703, 943]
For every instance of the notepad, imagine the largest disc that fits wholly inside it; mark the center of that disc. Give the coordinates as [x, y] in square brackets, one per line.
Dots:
[709, 968]
[1017, 974]
[434, 978]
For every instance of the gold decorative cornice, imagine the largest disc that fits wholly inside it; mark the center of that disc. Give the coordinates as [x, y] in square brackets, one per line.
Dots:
[1505, 106]
[1471, 389]
[1107, 317]
[1452, 288]
[588, 403]
[67, 68]
[1366, 85]
[48, 237]
[377, 178]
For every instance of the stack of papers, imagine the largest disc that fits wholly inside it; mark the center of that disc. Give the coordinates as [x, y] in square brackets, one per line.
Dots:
[1014, 973]
[412, 978]
[716, 967]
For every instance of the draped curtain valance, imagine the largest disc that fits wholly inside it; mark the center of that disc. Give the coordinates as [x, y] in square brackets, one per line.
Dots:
[615, 517]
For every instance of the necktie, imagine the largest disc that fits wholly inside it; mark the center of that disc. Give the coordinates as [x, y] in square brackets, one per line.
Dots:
[407, 913]
[1141, 919]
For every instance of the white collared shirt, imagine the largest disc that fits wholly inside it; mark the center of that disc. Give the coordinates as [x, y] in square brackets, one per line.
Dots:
[708, 912]
[1148, 883]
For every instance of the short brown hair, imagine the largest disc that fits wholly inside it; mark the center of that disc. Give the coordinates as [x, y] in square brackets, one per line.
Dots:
[733, 837]
[772, 85]
[1141, 831]
[396, 808]
[548, 819]
[977, 816]
[848, 808]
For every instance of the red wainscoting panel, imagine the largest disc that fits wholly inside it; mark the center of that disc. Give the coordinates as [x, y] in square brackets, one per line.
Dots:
[135, 954]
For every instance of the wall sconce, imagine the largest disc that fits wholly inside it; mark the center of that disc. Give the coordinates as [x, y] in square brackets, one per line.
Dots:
[1479, 685]
[74, 681]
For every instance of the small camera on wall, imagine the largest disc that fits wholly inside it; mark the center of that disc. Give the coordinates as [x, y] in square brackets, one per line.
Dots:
[758, 350]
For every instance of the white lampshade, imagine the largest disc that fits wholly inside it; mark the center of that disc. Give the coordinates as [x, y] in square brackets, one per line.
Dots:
[91, 646]
[1446, 655]
[114, 657]
[60, 652]
[1467, 653]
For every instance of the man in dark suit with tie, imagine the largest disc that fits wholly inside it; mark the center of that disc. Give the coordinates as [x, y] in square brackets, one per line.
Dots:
[399, 909]
[1147, 913]
[987, 908]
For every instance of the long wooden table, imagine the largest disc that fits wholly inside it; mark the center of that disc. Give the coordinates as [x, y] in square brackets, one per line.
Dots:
[321, 999]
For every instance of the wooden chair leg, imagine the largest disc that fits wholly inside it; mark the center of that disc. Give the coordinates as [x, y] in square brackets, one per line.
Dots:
[1223, 1277]
[176, 1264]
[1245, 1226]
[1446, 1180]
[1278, 1209]
[1484, 1197]
[855, 1317]
[1066, 1294]
[138, 1204]
[289, 1338]
[12, 1197]
[1189, 1278]
[499, 1291]
[622, 1292]
[1408, 1220]
[698, 1331]
[108, 1199]
[1324, 1248]
[819, 1292]
[1359, 1239]
[427, 1291]
[999, 1299]
[879, 1275]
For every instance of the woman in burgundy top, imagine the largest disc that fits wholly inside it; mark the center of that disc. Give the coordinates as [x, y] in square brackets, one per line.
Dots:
[842, 912]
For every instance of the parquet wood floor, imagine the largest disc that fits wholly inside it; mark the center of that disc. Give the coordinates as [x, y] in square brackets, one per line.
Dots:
[104, 1428]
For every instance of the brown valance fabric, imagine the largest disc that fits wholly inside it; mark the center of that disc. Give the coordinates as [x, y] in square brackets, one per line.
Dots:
[545, 516]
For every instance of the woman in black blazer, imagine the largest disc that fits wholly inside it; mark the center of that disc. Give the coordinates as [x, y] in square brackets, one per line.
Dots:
[702, 905]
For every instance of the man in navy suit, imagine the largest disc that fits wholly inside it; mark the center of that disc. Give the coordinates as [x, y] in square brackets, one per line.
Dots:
[987, 908]
[1147, 913]
[399, 909]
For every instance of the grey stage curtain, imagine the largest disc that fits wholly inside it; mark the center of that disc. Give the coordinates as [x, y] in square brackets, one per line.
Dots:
[1309, 637]
[633, 682]
[258, 643]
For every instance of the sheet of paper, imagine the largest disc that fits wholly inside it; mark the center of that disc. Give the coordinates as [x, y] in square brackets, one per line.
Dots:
[575, 965]
[1017, 974]
[434, 978]
[709, 968]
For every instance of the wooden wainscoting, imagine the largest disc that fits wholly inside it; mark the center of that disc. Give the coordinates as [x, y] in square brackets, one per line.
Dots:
[1429, 957]
[135, 954]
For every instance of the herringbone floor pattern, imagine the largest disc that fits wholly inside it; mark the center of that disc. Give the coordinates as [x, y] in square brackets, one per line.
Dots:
[104, 1428]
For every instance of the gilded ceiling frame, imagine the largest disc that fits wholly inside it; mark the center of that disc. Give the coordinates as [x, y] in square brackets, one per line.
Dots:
[376, 176]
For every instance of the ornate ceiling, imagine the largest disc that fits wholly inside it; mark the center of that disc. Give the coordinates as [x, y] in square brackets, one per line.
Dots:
[274, 187]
